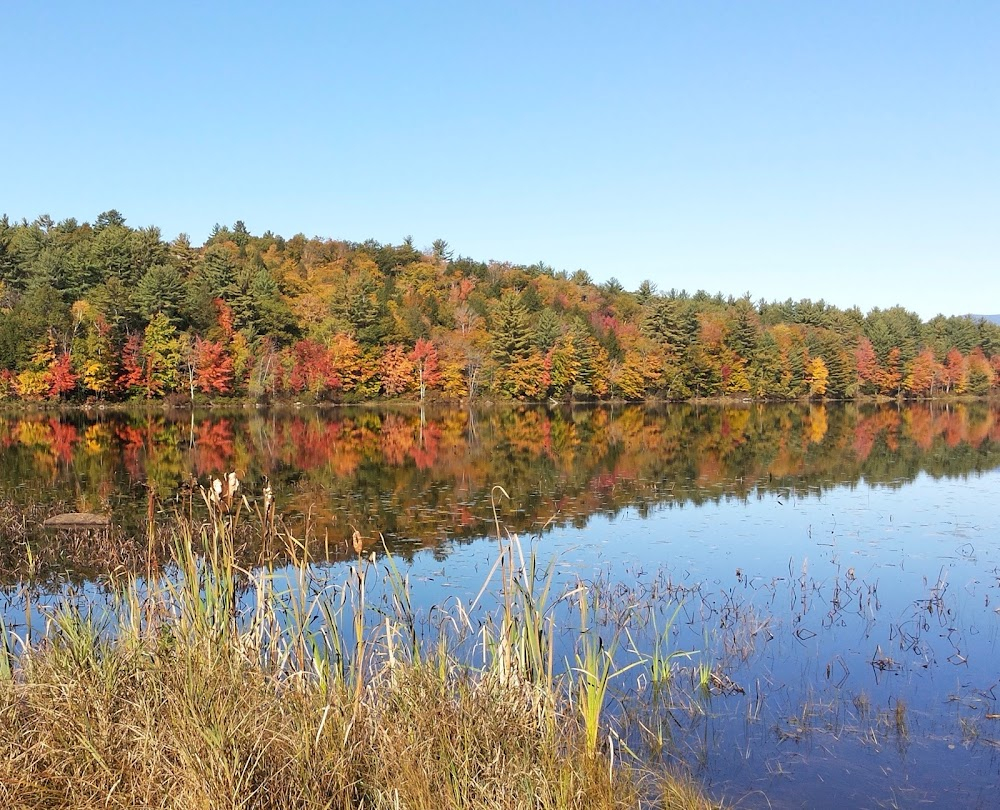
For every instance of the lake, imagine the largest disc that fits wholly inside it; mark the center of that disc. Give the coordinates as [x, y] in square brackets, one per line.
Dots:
[827, 577]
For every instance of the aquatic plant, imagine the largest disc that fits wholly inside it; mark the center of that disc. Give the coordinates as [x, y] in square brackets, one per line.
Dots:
[215, 685]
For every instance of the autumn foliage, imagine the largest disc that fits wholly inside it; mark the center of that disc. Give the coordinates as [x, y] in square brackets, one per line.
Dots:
[134, 316]
[213, 367]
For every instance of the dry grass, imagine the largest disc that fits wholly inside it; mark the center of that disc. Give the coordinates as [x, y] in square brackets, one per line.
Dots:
[190, 695]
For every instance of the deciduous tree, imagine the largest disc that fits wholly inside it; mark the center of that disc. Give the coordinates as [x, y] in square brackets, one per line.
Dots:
[396, 371]
[213, 367]
[817, 376]
[425, 359]
[921, 374]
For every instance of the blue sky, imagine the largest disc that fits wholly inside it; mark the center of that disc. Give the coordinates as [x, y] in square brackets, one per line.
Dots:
[848, 151]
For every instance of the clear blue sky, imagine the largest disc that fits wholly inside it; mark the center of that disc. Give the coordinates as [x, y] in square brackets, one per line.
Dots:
[848, 151]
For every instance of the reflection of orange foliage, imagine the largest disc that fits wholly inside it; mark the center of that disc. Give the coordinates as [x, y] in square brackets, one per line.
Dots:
[925, 424]
[785, 463]
[213, 447]
[920, 426]
[567, 462]
[397, 439]
[530, 431]
[709, 468]
[64, 439]
[345, 456]
[979, 431]
[869, 428]
[952, 425]
[133, 440]
[425, 454]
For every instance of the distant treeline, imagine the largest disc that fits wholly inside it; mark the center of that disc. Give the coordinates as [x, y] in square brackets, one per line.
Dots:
[105, 311]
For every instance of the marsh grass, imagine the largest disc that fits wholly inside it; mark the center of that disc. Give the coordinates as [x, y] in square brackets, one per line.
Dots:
[215, 686]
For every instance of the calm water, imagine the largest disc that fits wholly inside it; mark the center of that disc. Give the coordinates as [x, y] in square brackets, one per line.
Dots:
[837, 567]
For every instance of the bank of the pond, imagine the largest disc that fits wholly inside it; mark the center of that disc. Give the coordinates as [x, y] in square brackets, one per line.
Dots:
[173, 404]
[214, 687]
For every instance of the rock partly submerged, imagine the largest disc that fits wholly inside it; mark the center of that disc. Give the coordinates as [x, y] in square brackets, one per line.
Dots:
[77, 520]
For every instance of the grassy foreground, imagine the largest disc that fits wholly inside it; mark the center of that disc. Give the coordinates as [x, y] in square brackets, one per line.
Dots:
[215, 687]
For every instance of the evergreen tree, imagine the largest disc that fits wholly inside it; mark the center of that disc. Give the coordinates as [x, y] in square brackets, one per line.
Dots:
[548, 327]
[510, 330]
[161, 289]
[671, 323]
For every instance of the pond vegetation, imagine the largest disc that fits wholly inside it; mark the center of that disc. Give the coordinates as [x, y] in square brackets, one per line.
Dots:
[207, 685]
[787, 604]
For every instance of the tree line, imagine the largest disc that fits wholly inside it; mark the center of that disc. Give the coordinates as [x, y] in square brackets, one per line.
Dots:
[104, 311]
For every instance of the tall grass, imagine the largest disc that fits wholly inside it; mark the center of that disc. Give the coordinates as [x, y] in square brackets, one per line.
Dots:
[213, 686]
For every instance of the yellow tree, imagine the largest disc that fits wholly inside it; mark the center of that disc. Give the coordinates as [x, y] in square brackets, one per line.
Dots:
[524, 378]
[628, 378]
[817, 376]
[453, 384]
[563, 361]
[33, 383]
[94, 354]
[347, 359]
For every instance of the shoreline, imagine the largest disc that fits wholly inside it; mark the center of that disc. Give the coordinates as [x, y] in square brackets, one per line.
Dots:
[236, 404]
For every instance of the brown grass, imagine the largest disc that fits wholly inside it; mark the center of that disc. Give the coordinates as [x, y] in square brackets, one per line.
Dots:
[190, 696]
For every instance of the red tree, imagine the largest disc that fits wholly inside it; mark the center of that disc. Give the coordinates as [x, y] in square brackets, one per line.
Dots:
[425, 359]
[225, 317]
[954, 371]
[869, 370]
[213, 367]
[133, 367]
[312, 369]
[62, 380]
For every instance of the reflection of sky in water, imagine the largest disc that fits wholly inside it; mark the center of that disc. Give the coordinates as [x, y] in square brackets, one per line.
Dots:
[872, 596]
[827, 609]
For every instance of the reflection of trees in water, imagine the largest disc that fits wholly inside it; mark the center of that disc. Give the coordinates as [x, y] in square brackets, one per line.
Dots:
[430, 479]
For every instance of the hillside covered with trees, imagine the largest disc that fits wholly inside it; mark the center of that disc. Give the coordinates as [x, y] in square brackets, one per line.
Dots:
[105, 311]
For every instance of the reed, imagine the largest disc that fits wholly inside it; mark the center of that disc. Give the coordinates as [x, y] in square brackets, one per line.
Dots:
[218, 686]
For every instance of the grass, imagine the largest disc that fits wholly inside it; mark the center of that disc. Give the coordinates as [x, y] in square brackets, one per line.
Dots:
[214, 686]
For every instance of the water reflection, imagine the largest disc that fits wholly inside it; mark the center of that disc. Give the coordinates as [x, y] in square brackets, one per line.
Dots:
[425, 479]
[840, 576]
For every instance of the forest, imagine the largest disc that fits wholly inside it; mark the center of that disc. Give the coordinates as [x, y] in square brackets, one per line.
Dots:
[106, 312]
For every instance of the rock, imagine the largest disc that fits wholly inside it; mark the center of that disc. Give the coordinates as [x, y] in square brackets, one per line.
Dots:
[77, 520]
